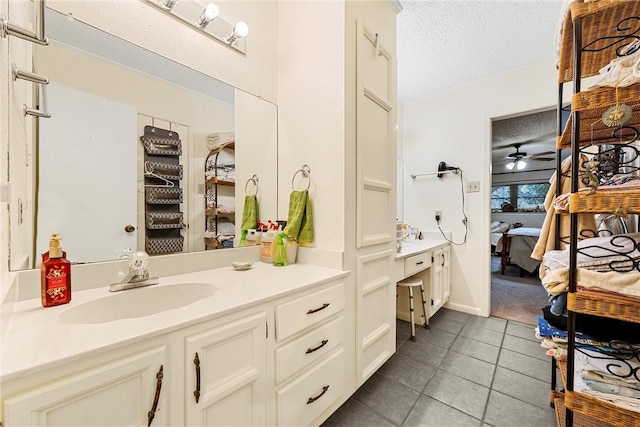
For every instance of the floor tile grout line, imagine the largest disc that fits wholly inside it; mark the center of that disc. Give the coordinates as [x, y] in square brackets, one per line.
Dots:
[425, 386]
[493, 377]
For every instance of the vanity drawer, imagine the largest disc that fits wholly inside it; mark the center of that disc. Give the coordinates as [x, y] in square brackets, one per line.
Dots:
[309, 348]
[417, 263]
[296, 315]
[303, 400]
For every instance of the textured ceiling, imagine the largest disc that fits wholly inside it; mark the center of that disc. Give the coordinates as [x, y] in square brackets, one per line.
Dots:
[447, 43]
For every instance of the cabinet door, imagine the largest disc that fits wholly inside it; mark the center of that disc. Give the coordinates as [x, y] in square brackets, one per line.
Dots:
[118, 393]
[225, 374]
[436, 280]
[446, 274]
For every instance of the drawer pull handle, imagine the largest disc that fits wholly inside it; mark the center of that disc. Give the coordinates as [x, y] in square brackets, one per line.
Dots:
[196, 393]
[419, 262]
[311, 350]
[315, 310]
[313, 399]
[152, 413]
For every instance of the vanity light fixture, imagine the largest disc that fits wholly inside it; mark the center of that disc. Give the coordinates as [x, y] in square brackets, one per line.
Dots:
[240, 30]
[208, 15]
[206, 21]
[168, 4]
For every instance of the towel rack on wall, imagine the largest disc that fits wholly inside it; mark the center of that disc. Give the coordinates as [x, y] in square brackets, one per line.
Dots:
[305, 170]
[37, 36]
[254, 180]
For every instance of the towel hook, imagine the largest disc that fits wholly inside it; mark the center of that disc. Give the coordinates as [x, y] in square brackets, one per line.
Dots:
[254, 180]
[305, 170]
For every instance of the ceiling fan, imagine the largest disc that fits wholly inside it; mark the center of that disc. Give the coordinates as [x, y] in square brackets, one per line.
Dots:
[517, 158]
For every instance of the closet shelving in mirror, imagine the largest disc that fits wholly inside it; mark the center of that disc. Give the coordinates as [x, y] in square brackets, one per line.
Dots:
[219, 168]
[594, 34]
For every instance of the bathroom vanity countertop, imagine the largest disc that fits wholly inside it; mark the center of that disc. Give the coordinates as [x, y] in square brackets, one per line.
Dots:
[413, 247]
[37, 338]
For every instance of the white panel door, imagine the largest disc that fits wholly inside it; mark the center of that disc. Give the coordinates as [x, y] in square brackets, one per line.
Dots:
[375, 135]
[225, 374]
[376, 308]
[90, 213]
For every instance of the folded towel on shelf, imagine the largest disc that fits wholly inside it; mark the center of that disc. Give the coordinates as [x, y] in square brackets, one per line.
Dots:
[249, 212]
[300, 219]
[216, 140]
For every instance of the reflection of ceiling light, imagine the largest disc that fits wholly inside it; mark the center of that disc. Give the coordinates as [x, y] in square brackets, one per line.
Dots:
[208, 15]
[517, 163]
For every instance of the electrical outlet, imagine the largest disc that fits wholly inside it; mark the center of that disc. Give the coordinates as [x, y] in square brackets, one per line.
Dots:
[473, 186]
[438, 215]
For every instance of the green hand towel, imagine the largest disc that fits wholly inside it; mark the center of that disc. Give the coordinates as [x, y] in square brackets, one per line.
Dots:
[250, 212]
[300, 220]
[305, 236]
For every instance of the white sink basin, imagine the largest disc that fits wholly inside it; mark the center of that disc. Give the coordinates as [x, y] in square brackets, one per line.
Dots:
[138, 302]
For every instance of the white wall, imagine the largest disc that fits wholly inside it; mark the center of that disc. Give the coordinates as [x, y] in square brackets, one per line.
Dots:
[455, 127]
[311, 106]
[148, 27]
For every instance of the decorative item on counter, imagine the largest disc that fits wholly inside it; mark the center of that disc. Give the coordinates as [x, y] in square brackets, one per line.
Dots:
[291, 246]
[55, 275]
[280, 253]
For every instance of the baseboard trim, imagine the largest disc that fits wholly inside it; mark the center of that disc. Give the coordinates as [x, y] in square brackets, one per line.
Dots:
[465, 309]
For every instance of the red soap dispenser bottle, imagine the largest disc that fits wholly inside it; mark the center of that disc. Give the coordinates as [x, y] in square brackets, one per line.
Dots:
[55, 275]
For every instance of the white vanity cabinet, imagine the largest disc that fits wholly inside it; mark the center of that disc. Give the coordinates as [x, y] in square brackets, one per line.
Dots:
[225, 368]
[440, 278]
[309, 356]
[430, 262]
[120, 390]
[280, 360]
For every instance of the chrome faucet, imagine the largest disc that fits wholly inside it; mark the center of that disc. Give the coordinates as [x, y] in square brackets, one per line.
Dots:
[138, 275]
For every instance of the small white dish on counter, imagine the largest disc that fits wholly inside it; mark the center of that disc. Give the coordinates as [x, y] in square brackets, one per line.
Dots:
[241, 265]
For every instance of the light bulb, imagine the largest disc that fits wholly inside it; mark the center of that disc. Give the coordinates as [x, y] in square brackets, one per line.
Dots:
[521, 164]
[168, 4]
[510, 165]
[240, 30]
[208, 15]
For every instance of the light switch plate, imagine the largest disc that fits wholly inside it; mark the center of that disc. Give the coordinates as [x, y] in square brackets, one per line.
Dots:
[473, 186]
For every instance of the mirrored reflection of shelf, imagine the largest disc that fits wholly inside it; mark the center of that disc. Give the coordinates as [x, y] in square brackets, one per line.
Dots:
[189, 11]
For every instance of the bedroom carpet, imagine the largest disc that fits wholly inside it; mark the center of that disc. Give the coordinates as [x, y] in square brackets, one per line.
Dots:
[516, 298]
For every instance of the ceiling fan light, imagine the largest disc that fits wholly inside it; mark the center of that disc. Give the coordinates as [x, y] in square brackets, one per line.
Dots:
[510, 165]
[520, 164]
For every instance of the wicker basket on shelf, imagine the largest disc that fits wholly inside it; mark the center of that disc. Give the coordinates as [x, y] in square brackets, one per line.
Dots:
[604, 304]
[601, 410]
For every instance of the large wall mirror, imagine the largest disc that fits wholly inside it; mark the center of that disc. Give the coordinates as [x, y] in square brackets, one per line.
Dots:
[90, 177]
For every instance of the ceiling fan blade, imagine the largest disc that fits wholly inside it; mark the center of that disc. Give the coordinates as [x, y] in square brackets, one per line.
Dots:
[542, 158]
[544, 153]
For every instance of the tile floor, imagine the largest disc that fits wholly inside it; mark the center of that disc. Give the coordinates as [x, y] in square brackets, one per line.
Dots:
[464, 371]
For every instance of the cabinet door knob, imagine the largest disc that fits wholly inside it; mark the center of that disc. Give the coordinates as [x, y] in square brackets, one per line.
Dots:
[129, 228]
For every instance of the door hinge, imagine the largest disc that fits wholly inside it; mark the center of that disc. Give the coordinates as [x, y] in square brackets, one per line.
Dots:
[432, 259]
[431, 301]
[266, 329]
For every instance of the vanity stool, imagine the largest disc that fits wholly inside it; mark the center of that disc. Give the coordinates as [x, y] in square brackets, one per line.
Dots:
[412, 282]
